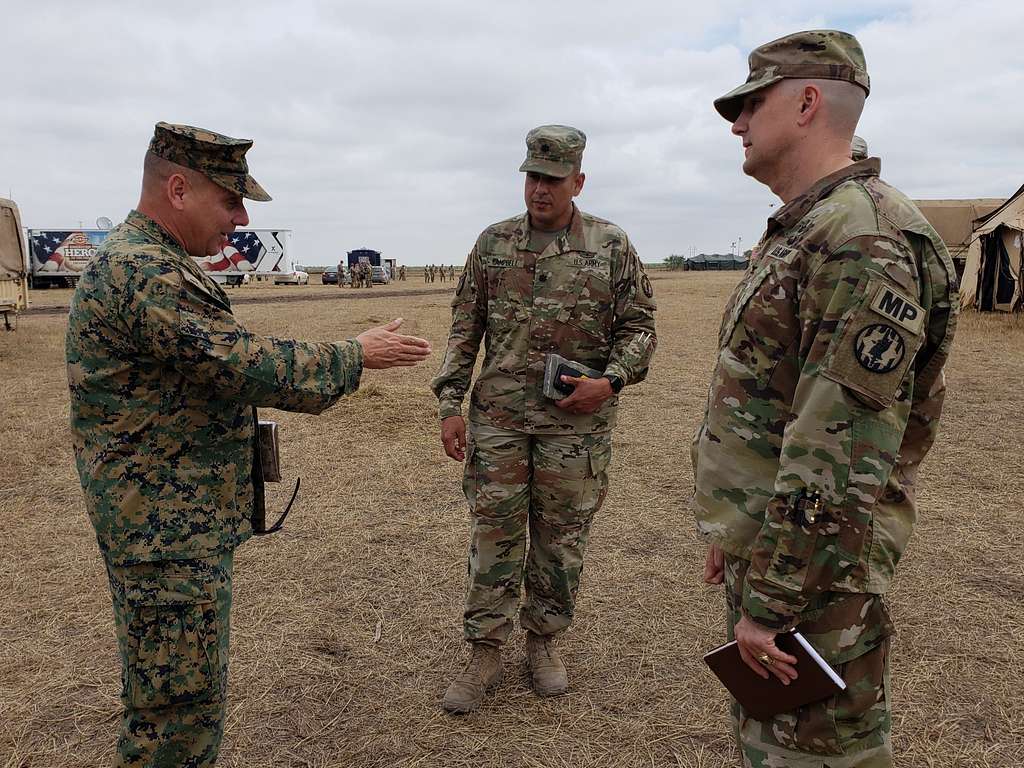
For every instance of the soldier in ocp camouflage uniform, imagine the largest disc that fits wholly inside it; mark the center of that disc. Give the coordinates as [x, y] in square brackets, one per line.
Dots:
[824, 401]
[162, 378]
[558, 280]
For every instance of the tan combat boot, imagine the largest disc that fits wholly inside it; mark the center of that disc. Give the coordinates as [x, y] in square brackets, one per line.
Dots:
[547, 671]
[482, 674]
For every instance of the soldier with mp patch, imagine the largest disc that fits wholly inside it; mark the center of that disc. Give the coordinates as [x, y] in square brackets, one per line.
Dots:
[550, 280]
[162, 379]
[825, 398]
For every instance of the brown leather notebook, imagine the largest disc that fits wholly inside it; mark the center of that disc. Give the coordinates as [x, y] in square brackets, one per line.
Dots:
[762, 698]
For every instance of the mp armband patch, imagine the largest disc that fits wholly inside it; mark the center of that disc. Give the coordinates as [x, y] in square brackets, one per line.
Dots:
[877, 345]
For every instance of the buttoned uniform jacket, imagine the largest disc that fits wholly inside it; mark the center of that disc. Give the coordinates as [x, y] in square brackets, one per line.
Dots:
[586, 297]
[161, 377]
[828, 386]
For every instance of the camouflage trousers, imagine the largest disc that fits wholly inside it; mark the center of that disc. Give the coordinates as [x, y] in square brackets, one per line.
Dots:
[851, 730]
[172, 622]
[531, 500]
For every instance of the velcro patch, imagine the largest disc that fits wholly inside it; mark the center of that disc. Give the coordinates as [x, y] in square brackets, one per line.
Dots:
[872, 358]
[898, 307]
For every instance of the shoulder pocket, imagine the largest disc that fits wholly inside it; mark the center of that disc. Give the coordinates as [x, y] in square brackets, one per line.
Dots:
[879, 340]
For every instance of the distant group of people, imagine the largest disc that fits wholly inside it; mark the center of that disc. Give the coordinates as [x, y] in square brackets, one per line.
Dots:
[360, 275]
[433, 272]
[825, 398]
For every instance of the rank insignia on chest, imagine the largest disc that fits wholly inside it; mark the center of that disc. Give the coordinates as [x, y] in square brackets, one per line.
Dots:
[879, 348]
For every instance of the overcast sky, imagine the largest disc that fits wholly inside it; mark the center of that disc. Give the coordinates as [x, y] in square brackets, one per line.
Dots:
[400, 125]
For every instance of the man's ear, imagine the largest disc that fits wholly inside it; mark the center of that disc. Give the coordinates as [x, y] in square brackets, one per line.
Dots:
[177, 187]
[578, 186]
[810, 103]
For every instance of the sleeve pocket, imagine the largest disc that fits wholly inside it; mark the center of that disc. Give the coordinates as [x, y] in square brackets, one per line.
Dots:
[173, 646]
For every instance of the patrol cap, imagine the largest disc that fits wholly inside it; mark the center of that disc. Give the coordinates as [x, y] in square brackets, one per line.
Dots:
[818, 54]
[553, 150]
[858, 149]
[220, 158]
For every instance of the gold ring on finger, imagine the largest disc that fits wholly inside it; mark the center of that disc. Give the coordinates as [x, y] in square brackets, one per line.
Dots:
[767, 660]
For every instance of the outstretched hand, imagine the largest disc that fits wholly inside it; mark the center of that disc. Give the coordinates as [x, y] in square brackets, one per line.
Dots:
[588, 396]
[383, 348]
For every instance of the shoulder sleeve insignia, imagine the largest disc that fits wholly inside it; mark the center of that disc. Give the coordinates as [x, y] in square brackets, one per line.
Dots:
[898, 307]
[646, 287]
[872, 354]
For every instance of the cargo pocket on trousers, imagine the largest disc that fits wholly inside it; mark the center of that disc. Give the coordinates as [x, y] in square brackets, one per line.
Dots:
[469, 474]
[595, 488]
[173, 645]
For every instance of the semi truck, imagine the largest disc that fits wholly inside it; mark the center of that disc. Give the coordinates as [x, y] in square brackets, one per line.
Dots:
[59, 255]
[374, 259]
[13, 262]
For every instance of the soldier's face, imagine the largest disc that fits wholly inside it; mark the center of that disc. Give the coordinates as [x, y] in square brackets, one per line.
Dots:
[763, 125]
[549, 199]
[213, 214]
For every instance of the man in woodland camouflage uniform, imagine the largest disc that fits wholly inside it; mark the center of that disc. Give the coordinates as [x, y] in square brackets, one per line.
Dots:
[558, 280]
[825, 398]
[162, 378]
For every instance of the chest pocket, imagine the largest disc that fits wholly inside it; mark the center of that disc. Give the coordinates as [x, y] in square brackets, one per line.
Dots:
[760, 323]
[506, 276]
[587, 304]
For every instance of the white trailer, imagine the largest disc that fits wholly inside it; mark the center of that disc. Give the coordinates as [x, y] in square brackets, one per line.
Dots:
[59, 255]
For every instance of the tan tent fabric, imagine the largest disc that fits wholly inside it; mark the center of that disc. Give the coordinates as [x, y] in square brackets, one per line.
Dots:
[1007, 224]
[954, 219]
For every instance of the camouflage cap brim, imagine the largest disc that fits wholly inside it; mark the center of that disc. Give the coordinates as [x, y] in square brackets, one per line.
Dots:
[730, 105]
[245, 185]
[546, 167]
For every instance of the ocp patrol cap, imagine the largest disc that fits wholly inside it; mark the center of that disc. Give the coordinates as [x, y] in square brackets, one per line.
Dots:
[554, 150]
[818, 54]
[220, 158]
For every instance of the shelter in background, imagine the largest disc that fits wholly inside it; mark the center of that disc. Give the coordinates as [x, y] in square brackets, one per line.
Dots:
[995, 254]
[714, 261]
[954, 221]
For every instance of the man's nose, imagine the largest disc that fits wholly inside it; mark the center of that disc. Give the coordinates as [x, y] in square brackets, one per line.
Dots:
[241, 218]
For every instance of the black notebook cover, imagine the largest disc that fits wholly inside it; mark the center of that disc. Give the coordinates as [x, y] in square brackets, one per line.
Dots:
[762, 698]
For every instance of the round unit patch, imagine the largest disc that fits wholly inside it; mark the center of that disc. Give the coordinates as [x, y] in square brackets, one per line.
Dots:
[645, 285]
[879, 348]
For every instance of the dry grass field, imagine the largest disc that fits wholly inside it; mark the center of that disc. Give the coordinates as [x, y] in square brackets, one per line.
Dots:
[346, 625]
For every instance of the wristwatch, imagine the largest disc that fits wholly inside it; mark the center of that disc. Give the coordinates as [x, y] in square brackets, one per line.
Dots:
[615, 381]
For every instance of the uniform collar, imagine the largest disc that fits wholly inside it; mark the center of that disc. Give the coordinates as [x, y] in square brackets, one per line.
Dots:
[570, 240]
[153, 231]
[797, 208]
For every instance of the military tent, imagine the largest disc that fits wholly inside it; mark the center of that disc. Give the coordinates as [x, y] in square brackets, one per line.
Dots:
[995, 255]
[954, 221]
[714, 261]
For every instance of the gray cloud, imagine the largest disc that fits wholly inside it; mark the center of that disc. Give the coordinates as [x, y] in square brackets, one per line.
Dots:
[400, 125]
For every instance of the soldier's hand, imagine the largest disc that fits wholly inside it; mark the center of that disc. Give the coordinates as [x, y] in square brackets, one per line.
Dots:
[756, 642]
[714, 565]
[588, 396]
[383, 348]
[453, 437]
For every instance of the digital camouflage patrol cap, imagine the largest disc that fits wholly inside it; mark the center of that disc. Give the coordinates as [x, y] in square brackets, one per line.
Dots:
[220, 158]
[554, 150]
[818, 54]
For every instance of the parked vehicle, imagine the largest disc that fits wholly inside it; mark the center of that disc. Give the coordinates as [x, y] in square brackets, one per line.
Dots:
[330, 276]
[380, 275]
[295, 277]
[57, 256]
[13, 262]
